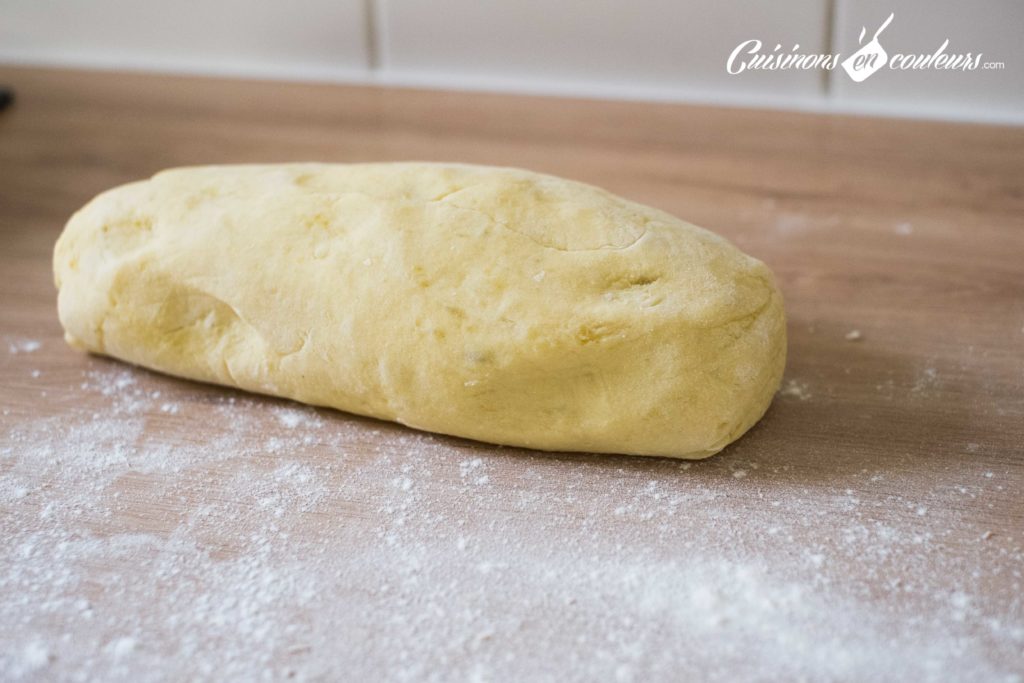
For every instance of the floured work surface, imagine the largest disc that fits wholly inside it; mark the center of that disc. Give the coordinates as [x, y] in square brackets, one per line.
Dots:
[869, 528]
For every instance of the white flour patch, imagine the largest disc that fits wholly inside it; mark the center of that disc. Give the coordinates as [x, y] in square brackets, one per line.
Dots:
[795, 389]
[23, 346]
[290, 543]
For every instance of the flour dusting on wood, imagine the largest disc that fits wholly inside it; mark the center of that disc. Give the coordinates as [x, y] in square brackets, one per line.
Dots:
[305, 544]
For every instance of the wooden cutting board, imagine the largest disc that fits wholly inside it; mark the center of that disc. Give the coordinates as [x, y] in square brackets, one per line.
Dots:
[870, 527]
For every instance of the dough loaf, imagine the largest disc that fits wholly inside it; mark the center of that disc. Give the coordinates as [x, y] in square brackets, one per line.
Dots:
[490, 303]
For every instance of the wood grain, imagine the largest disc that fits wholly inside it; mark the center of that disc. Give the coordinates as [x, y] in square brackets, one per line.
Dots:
[911, 233]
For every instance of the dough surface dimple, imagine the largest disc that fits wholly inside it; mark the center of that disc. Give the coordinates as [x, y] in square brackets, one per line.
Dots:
[491, 303]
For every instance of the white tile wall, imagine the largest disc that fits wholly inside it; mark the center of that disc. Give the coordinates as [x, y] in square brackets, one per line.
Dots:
[658, 49]
[607, 46]
[993, 27]
[317, 37]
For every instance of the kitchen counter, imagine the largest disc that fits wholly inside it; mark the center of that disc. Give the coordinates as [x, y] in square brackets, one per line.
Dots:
[871, 527]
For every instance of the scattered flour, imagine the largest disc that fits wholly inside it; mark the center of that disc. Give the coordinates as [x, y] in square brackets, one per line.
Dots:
[791, 224]
[926, 380]
[796, 389]
[23, 346]
[290, 543]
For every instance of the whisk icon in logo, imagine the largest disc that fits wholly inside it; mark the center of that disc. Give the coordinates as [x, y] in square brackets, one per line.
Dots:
[869, 58]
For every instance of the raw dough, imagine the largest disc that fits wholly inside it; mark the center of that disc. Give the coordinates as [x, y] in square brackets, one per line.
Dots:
[490, 303]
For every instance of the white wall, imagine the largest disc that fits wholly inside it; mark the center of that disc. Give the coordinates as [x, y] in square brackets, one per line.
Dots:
[300, 38]
[647, 49]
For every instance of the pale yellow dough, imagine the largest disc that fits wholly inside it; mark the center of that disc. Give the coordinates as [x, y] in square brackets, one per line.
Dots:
[489, 303]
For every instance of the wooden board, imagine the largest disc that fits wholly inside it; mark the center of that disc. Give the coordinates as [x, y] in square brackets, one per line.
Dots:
[870, 527]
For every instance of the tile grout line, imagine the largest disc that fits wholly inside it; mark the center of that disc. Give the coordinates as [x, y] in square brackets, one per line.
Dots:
[830, 42]
[372, 35]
